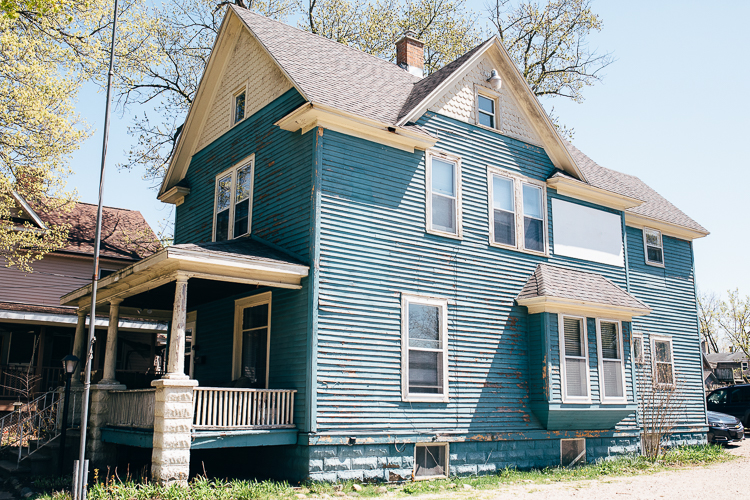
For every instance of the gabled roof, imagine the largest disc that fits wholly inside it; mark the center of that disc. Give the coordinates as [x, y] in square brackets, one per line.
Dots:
[654, 205]
[125, 233]
[553, 282]
[726, 357]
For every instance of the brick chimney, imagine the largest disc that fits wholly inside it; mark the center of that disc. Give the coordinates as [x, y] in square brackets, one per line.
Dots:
[410, 54]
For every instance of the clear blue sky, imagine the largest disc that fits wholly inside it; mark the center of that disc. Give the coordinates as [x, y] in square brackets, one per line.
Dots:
[672, 110]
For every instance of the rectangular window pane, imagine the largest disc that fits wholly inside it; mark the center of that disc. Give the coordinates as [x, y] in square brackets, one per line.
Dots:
[223, 193]
[533, 234]
[610, 340]
[505, 227]
[443, 213]
[254, 348]
[239, 107]
[653, 238]
[663, 353]
[243, 183]
[487, 105]
[572, 334]
[502, 194]
[637, 348]
[612, 379]
[424, 326]
[575, 376]
[222, 226]
[425, 369]
[255, 317]
[654, 254]
[443, 177]
[532, 201]
[664, 373]
[486, 120]
[430, 461]
[241, 218]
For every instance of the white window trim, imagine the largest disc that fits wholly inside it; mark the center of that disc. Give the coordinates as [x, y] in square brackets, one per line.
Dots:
[428, 193]
[661, 338]
[237, 91]
[600, 360]
[447, 460]
[563, 374]
[518, 182]
[489, 94]
[642, 359]
[239, 306]
[233, 172]
[645, 248]
[406, 299]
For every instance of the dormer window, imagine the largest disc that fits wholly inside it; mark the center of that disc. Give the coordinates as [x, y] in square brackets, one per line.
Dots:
[238, 113]
[234, 201]
[654, 247]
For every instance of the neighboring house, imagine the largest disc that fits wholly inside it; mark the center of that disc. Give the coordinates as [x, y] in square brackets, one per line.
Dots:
[729, 367]
[35, 331]
[391, 276]
[710, 382]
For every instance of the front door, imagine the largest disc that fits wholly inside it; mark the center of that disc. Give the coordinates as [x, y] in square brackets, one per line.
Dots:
[251, 340]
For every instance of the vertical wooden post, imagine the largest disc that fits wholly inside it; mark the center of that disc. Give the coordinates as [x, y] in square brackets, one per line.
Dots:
[110, 354]
[79, 346]
[176, 357]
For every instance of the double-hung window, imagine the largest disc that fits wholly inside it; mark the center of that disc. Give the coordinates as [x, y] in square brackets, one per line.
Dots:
[443, 195]
[252, 317]
[517, 211]
[663, 364]
[611, 366]
[574, 365]
[486, 111]
[654, 247]
[424, 349]
[234, 201]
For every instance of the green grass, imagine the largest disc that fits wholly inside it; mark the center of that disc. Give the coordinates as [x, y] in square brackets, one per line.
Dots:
[204, 489]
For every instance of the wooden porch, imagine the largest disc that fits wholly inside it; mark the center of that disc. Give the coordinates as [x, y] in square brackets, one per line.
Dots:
[222, 417]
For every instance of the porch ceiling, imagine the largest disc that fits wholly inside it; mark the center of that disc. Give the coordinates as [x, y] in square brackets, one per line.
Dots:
[217, 269]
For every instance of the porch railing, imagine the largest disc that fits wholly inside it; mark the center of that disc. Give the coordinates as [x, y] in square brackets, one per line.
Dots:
[133, 408]
[222, 408]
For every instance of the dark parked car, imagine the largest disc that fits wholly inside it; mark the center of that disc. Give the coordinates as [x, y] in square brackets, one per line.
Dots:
[724, 428]
[733, 400]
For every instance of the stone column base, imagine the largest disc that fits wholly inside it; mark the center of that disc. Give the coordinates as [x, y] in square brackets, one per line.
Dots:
[173, 422]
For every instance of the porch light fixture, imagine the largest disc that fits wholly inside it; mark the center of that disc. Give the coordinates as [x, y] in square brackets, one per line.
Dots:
[495, 81]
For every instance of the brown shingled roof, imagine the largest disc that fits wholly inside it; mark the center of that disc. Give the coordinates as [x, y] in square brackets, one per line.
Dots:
[560, 282]
[125, 233]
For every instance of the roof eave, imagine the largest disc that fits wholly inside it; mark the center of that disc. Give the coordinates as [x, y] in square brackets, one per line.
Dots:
[586, 192]
[667, 228]
[552, 304]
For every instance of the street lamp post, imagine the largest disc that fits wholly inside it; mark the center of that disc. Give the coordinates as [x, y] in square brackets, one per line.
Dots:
[69, 363]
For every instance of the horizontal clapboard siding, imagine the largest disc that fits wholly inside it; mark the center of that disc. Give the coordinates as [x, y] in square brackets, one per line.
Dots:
[670, 292]
[281, 195]
[374, 247]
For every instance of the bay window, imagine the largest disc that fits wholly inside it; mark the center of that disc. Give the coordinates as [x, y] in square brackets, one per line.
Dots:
[233, 201]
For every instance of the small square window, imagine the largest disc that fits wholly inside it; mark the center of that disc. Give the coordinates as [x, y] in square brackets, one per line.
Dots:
[654, 247]
[430, 460]
[239, 107]
[486, 114]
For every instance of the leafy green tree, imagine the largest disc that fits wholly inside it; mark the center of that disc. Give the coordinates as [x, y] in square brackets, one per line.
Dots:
[734, 320]
[709, 310]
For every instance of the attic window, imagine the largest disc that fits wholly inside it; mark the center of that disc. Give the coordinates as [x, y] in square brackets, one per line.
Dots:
[238, 113]
[234, 201]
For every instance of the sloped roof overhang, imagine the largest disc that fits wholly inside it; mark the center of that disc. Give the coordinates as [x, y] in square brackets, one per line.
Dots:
[169, 263]
[580, 307]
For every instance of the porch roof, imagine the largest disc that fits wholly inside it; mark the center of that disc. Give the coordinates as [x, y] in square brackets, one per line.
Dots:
[243, 261]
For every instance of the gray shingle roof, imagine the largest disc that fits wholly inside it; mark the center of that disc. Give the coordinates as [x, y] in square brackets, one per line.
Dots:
[654, 206]
[242, 247]
[726, 357]
[560, 282]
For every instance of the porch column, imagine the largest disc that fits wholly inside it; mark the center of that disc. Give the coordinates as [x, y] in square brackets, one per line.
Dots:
[110, 354]
[173, 410]
[79, 346]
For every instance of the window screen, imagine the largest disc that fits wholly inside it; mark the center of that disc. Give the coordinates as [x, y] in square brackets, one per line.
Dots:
[429, 460]
[611, 359]
[444, 195]
[503, 210]
[576, 380]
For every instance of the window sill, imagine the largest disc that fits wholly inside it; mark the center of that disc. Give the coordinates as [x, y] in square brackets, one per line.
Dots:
[611, 401]
[576, 401]
[438, 232]
[412, 398]
[518, 249]
[655, 264]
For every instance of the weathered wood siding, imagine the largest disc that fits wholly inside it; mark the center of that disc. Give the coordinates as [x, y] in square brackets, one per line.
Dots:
[374, 247]
[281, 195]
[670, 292]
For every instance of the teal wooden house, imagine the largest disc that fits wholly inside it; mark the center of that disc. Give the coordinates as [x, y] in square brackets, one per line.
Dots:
[380, 275]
